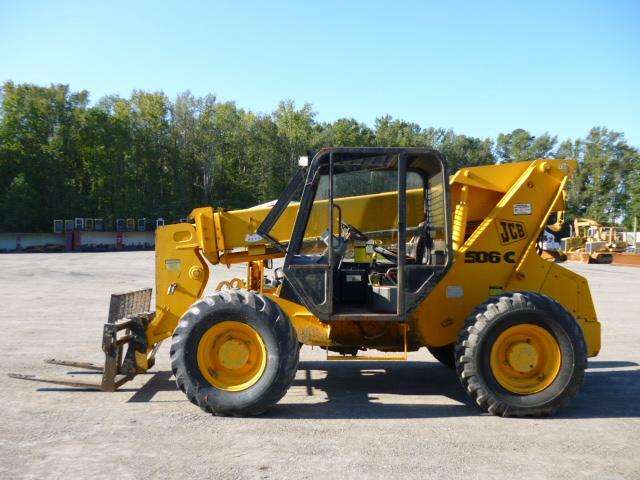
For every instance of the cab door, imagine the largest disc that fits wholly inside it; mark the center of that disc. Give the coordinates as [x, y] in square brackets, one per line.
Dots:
[309, 258]
[390, 196]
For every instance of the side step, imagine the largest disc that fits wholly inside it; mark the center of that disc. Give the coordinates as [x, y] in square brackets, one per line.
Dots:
[126, 325]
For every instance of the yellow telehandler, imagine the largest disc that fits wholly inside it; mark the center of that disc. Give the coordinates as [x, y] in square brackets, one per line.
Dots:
[381, 251]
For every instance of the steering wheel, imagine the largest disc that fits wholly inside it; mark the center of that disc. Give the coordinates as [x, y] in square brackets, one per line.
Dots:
[353, 232]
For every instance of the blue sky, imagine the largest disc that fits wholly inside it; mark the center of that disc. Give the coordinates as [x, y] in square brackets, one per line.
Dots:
[478, 67]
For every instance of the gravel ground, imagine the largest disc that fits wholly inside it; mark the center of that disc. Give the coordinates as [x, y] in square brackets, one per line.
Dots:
[339, 420]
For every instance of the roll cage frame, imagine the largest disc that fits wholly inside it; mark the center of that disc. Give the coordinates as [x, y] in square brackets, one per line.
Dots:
[312, 279]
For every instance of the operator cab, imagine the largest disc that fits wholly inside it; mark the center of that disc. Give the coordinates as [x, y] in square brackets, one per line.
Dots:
[371, 237]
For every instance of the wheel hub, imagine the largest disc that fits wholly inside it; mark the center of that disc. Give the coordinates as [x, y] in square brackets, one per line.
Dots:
[525, 359]
[522, 357]
[232, 356]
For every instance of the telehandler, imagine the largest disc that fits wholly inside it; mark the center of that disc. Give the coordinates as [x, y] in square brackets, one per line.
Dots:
[381, 251]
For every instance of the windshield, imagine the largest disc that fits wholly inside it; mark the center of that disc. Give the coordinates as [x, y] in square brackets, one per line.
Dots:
[357, 194]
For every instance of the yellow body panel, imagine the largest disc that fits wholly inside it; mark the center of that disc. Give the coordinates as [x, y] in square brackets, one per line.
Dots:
[540, 185]
[181, 276]
[309, 329]
[498, 214]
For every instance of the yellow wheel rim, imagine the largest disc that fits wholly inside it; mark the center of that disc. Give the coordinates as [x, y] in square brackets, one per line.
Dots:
[232, 356]
[525, 359]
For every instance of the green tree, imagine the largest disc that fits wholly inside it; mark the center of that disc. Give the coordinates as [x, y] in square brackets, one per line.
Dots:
[193, 142]
[346, 132]
[147, 155]
[298, 133]
[462, 151]
[604, 182]
[520, 145]
[633, 181]
[40, 152]
[398, 133]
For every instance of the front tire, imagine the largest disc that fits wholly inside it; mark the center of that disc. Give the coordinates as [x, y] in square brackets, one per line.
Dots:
[234, 353]
[521, 355]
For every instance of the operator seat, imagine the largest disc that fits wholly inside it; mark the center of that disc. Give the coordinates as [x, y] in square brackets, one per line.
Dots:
[416, 246]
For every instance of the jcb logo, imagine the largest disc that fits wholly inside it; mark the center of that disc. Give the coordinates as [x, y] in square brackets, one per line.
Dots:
[509, 231]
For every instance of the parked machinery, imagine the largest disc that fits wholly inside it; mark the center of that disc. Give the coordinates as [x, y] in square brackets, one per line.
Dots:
[592, 242]
[381, 251]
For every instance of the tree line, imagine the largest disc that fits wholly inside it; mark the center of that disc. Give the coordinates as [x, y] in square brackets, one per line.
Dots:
[151, 156]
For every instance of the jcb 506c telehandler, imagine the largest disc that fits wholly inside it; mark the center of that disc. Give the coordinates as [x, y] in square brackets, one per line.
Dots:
[381, 251]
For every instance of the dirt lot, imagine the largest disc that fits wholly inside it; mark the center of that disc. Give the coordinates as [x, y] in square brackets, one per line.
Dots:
[355, 420]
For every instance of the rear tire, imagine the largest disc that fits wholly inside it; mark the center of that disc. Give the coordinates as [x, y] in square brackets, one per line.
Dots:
[278, 351]
[483, 377]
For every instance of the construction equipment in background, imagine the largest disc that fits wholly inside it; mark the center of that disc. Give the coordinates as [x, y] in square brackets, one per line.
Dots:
[549, 248]
[381, 251]
[592, 242]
